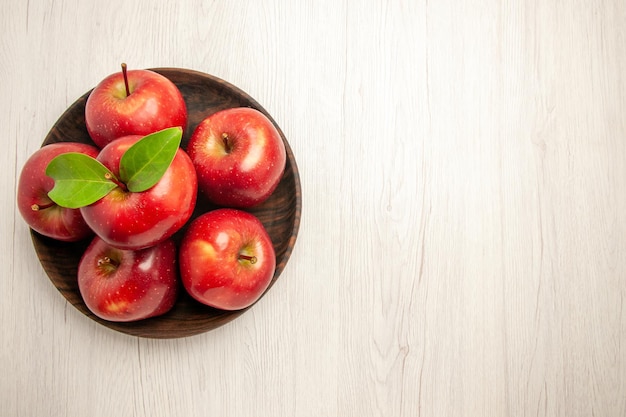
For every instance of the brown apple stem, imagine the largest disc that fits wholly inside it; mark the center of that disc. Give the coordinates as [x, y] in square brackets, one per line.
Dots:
[114, 180]
[251, 259]
[125, 74]
[37, 207]
[227, 144]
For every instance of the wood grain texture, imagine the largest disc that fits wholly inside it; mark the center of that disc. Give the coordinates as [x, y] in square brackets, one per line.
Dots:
[461, 246]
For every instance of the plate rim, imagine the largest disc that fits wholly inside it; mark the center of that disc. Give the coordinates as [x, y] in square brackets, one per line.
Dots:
[134, 328]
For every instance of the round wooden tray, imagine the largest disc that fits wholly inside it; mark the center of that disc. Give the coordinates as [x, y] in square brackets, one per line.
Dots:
[204, 94]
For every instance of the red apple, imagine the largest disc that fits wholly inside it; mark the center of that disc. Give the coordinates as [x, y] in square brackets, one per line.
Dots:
[239, 157]
[226, 259]
[125, 285]
[146, 103]
[37, 209]
[136, 220]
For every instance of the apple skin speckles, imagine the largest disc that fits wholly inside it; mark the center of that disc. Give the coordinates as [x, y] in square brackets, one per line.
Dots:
[137, 220]
[227, 259]
[37, 209]
[123, 285]
[239, 157]
[155, 103]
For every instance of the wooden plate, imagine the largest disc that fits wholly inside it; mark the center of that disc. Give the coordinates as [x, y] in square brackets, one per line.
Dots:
[204, 94]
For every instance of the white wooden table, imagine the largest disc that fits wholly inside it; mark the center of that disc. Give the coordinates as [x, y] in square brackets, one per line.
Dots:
[463, 238]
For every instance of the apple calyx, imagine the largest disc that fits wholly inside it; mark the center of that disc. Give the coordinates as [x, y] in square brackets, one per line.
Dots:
[107, 264]
[81, 180]
[125, 75]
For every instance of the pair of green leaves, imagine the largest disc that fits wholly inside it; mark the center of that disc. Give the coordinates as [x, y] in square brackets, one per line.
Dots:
[80, 180]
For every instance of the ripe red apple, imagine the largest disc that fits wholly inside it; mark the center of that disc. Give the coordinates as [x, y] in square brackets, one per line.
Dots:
[37, 209]
[136, 220]
[239, 156]
[125, 285]
[226, 259]
[135, 102]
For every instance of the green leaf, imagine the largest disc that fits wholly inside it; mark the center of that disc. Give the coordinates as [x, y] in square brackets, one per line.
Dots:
[144, 163]
[79, 180]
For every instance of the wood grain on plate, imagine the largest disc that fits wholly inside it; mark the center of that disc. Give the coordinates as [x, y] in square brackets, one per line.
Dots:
[204, 94]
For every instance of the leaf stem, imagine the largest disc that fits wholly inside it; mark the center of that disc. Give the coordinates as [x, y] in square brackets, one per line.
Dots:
[114, 180]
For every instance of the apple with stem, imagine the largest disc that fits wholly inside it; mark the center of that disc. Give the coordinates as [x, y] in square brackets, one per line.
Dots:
[125, 285]
[239, 157]
[226, 259]
[139, 191]
[134, 220]
[41, 213]
[133, 102]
